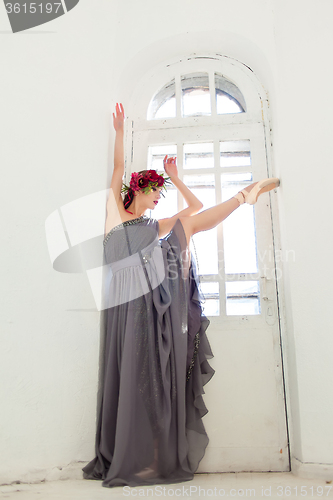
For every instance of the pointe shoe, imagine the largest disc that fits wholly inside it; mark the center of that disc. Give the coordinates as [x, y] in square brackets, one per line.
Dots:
[262, 186]
[147, 473]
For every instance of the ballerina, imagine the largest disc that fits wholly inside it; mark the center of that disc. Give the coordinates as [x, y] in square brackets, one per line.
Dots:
[150, 428]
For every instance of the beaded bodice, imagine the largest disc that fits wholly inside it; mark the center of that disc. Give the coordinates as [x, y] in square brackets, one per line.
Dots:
[129, 238]
[121, 225]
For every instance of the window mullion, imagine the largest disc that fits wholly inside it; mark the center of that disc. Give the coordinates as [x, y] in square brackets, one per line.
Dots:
[217, 170]
[212, 93]
[220, 250]
[178, 96]
[180, 166]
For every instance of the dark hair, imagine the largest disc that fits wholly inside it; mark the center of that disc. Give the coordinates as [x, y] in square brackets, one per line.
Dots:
[129, 196]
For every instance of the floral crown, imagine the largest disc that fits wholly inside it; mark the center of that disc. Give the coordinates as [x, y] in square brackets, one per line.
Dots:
[146, 182]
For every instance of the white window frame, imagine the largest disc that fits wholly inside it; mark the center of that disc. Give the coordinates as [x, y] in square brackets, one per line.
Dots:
[253, 125]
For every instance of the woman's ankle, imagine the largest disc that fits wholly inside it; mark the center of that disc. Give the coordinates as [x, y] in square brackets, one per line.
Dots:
[240, 197]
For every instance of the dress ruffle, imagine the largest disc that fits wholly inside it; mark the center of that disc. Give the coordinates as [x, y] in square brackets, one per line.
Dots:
[199, 373]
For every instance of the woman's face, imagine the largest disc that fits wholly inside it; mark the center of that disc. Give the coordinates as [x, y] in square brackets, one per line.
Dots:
[150, 200]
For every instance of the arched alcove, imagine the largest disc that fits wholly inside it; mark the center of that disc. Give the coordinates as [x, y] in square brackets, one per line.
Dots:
[217, 155]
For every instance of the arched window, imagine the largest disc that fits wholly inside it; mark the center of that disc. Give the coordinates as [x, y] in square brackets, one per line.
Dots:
[196, 97]
[212, 113]
[210, 116]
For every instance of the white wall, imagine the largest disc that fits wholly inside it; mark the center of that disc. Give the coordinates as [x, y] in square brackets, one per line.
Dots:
[58, 85]
[302, 123]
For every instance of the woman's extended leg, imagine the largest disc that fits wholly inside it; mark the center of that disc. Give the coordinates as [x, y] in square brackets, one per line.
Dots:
[207, 219]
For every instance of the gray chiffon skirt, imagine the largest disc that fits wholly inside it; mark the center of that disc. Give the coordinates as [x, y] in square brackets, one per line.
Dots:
[149, 427]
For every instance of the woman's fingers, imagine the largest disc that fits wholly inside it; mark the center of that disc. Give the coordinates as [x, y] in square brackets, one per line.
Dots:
[169, 161]
[119, 109]
[119, 116]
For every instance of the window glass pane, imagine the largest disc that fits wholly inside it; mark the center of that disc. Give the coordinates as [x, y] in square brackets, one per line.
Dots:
[168, 203]
[242, 297]
[229, 99]
[211, 307]
[242, 179]
[205, 243]
[199, 155]
[239, 237]
[195, 94]
[210, 291]
[156, 155]
[203, 187]
[204, 248]
[167, 110]
[225, 105]
[235, 154]
[163, 104]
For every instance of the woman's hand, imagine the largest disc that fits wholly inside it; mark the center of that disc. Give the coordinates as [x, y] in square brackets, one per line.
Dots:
[170, 166]
[118, 119]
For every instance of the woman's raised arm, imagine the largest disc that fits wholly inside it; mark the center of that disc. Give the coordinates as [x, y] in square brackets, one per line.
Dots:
[194, 205]
[114, 205]
[118, 170]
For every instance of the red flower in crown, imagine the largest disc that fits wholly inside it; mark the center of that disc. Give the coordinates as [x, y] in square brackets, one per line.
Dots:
[134, 184]
[145, 181]
[153, 175]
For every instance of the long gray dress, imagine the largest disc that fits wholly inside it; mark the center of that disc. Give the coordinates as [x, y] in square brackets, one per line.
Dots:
[155, 364]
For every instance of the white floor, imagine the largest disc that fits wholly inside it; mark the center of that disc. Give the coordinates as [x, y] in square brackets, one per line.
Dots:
[277, 485]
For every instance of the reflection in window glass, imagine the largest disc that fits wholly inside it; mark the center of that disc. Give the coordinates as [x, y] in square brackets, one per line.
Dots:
[163, 104]
[235, 154]
[225, 104]
[240, 249]
[229, 98]
[195, 94]
[242, 297]
[211, 306]
[199, 155]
